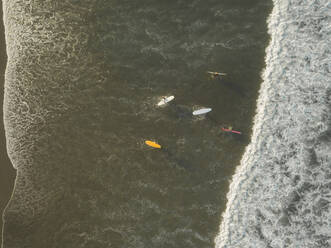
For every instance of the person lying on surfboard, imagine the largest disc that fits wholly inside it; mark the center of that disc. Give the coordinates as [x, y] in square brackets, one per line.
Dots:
[214, 75]
[229, 129]
[165, 99]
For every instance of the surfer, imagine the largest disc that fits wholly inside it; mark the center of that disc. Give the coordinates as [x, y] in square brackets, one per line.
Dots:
[229, 129]
[181, 163]
[214, 75]
[180, 111]
[165, 99]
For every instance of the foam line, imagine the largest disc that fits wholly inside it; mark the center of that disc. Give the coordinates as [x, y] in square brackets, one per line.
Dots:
[280, 194]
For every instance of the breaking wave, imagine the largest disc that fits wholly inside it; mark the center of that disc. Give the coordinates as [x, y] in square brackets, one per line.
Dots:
[280, 194]
[75, 112]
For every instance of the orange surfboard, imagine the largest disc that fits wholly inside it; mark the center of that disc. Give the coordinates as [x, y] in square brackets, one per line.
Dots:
[152, 144]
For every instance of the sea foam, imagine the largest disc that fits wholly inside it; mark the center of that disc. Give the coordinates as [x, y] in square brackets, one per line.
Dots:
[280, 194]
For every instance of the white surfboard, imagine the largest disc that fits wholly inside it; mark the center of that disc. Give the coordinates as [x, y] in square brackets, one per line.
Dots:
[216, 73]
[201, 111]
[165, 100]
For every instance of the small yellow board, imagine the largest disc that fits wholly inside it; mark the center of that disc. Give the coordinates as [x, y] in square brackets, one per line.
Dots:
[152, 144]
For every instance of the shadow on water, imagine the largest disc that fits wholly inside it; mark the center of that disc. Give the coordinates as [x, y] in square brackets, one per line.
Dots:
[181, 163]
[213, 120]
[230, 84]
[240, 138]
[181, 112]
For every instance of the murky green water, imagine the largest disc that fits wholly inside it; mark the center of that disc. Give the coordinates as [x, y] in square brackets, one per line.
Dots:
[7, 173]
[102, 186]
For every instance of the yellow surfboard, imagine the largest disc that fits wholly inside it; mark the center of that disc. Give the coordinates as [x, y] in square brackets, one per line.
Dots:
[152, 144]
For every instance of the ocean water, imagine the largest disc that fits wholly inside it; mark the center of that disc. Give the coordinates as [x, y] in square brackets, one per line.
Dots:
[280, 194]
[7, 173]
[82, 82]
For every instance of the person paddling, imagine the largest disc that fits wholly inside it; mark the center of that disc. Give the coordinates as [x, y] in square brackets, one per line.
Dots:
[229, 129]
[214, 75]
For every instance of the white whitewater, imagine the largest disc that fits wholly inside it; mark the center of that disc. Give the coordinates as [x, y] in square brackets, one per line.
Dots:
[280, 194]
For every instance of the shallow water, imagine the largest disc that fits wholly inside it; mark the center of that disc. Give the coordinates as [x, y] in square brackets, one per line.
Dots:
[82, 86]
